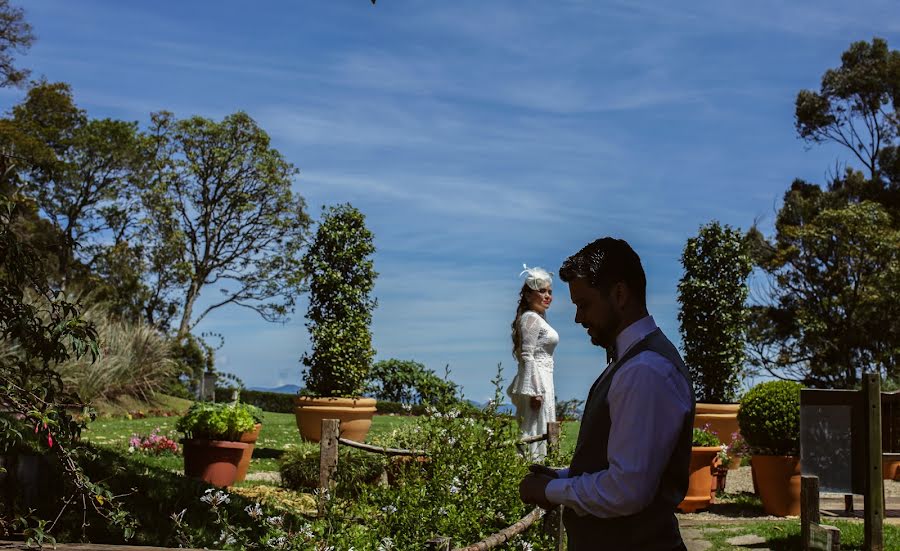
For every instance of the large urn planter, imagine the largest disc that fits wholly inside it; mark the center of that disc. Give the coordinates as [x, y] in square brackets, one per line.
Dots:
[778, 482]
[355, 415]
[701, 479]
[722, 419]
[213, 461]
[249, 437]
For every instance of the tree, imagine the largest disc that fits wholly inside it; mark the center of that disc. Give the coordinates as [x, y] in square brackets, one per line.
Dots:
[15, 36]
[342, 277]
[713, 314]
[855, 105]
[222, 212]
[84, 174]
[832, 312]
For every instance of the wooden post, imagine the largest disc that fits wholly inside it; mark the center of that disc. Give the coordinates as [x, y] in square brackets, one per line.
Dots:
[873, 504]
[553, 524]
[328, 459]
[438, 543]
[809, 507]
[553, 439]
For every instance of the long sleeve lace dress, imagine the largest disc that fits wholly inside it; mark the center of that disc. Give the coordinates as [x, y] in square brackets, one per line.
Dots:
[535, 378]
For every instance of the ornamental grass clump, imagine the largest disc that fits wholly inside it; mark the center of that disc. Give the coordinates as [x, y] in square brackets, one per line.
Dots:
[769, 418]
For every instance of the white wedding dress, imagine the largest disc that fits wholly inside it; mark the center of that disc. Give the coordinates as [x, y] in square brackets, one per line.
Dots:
[535, 378]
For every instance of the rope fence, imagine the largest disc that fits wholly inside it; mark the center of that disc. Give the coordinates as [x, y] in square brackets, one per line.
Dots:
[328, 461]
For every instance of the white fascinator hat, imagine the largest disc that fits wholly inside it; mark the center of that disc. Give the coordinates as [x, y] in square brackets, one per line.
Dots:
[536, 278]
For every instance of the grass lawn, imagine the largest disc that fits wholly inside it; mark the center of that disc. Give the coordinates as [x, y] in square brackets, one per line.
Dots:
[279, 433]
[784, 535]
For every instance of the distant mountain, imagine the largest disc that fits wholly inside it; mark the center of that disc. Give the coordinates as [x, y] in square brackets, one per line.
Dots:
[283, 389]
[502, 408]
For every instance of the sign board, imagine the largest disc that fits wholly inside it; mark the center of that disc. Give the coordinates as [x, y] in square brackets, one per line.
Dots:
[832, 433]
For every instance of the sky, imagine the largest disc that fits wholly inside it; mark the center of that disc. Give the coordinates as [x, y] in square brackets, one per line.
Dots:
[477, 136]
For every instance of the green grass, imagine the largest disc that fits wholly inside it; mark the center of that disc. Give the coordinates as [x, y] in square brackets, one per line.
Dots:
[784, 535]
[279, 433]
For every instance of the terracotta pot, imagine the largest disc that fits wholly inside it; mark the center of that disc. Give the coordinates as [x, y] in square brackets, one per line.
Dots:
[214, 461]
[890, 470]
[778, 479]
[355, 415]
[701, 479]
[722, 418]
[249, 437]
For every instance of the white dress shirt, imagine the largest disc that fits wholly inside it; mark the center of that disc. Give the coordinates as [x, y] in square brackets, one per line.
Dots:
[648, 402]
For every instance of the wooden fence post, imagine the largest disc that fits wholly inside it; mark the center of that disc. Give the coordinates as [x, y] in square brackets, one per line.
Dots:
[438, 543]
[873, 504]
[553, 439]
[328, 459]
[809, 507]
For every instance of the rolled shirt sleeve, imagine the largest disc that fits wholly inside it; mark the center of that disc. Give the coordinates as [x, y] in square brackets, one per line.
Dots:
[648, 402]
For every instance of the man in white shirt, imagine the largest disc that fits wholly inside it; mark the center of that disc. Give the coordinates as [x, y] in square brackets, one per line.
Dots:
[630, 467]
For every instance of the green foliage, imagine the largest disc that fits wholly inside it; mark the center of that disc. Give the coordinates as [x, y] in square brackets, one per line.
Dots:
[299, 468]
[15, 36]
[769, 418]
[342, 277]
[410, 382]
[277, 402]
[713, 315]
[704, 437]
[836, 275]
[217, 421]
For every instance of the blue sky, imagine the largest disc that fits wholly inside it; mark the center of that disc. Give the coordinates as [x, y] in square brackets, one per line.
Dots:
[476, 136]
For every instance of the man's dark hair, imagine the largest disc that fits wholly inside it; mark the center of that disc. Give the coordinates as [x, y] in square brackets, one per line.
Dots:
[606, 262]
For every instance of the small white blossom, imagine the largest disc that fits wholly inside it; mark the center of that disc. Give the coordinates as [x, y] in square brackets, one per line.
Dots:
[275, 521]
[386, 544]
[215, 499]
[255, 511]
[389, 509]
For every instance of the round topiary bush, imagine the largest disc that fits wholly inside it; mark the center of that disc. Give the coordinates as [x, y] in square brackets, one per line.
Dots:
[769, 418]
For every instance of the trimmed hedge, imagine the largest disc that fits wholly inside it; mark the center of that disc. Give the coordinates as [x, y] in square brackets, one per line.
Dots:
[276, 402]
[769, 418]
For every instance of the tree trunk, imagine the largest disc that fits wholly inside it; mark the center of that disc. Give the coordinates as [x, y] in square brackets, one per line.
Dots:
[189, 300]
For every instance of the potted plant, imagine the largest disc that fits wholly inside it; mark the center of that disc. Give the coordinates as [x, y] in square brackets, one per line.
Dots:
[341, 273]
[769, 419]
[211, 445]
[704, 448]
[249, 437]
[713, 316]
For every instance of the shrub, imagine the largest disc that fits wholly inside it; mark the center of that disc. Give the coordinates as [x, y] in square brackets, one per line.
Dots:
[154, 443]
[769, 418]
[276, 402]
[342, 276]
[713, 314]
[299, 468]
[216, 421]
[410, 382]
[704, 437]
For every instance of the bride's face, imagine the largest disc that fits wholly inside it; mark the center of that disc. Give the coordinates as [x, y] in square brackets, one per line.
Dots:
[539, 300]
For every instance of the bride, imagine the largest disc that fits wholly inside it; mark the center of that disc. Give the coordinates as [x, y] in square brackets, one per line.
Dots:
[534, 340]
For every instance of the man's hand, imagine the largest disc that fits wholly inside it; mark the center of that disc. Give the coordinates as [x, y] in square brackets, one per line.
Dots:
[532, 490]
[537, 468]
[536, 402]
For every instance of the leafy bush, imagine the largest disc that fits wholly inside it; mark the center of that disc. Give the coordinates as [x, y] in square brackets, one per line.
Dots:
[713, 314]
[769, 418]
[410, 382]
[276, 402]
[342, 277]
[704, 437]
[217, 421]
[299, 468]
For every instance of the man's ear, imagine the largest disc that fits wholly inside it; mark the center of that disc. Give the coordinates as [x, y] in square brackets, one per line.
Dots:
[620, 295]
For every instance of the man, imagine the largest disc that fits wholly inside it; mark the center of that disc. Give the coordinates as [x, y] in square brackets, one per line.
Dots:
[631, 463]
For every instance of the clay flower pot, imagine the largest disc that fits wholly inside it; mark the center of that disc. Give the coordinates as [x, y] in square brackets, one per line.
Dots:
[213, 461]
[701, 479]
[722, 419]
[355, 415]
[249, 437]
[778, 483]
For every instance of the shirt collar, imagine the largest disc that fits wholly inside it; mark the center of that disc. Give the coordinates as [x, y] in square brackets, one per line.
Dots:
[634, 333]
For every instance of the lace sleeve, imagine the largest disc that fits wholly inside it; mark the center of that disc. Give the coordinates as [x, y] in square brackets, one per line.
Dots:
[527, 381]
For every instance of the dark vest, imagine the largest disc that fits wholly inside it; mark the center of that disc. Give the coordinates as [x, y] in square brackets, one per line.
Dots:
[654, 528]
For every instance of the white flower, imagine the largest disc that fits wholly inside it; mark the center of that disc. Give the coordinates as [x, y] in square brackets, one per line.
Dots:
[389, 509]
[454, 486]
[386, 544]
[275, 521]
[255, 511]
[215, 499]
[130, 449]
